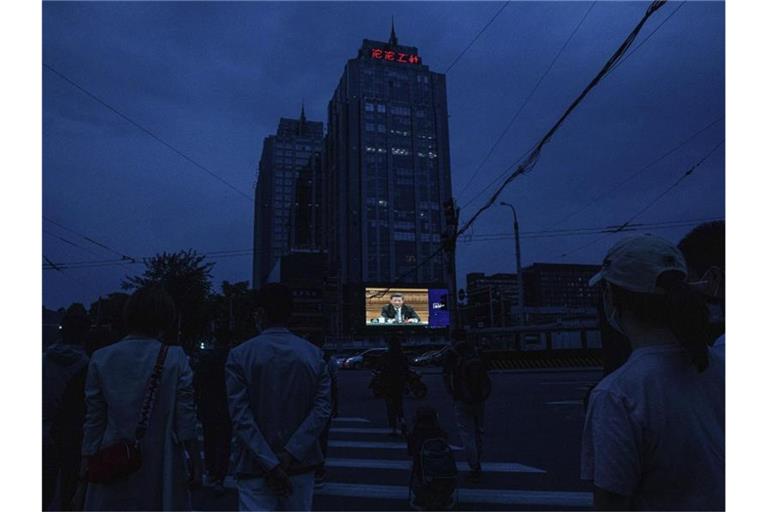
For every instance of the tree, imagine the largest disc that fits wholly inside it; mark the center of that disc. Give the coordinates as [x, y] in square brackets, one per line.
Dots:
[186, 276]
[233, 310]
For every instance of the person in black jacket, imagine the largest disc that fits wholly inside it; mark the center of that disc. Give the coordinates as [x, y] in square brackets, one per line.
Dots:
[398, 311]
[394, 373]
[65, 366]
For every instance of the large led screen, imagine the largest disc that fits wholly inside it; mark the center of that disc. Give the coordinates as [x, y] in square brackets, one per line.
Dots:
[406, 307]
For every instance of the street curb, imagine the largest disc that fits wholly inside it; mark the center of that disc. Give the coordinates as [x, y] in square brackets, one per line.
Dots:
[526, 370]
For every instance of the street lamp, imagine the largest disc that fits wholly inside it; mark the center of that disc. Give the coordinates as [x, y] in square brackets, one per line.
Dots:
[519, 270]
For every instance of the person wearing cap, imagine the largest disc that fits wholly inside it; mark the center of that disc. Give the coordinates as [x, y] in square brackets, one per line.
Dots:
[654, 434]
[65, 365]
[279, 392]
[704, 251]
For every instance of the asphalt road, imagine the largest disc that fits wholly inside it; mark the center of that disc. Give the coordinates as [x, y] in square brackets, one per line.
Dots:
[531, 449]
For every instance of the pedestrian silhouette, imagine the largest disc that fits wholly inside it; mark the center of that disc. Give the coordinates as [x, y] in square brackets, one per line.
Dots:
[654, 434]
[394, 375]
[279, 400]
[140, 415]
[65, 365]
[212, 410]
[704, 251]
[468, 382]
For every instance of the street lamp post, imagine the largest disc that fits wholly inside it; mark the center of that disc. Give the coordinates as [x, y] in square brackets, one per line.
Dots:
[520, 303]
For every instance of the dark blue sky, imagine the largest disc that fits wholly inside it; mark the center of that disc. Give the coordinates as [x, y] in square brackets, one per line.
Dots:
[213, 79]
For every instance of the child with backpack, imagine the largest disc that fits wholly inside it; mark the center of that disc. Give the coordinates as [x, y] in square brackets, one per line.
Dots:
[466, 376]
[434, 473]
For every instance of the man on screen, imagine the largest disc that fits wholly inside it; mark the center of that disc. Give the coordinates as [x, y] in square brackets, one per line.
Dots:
[399, 312]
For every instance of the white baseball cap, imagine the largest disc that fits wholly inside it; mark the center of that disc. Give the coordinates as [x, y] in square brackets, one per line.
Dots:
[636, 263]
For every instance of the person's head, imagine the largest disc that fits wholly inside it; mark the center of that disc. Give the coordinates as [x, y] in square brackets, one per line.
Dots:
[395, 344]
[426, 417]
[149, 311]
[75, 324]
[397, 299]
[647, 298]
[704, 251]
[274, 305]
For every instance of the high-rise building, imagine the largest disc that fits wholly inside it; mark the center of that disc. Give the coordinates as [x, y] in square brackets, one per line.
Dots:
[284, 156]
[387, 172]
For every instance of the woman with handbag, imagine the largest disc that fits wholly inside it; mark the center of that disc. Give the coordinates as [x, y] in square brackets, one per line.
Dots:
[140, 416]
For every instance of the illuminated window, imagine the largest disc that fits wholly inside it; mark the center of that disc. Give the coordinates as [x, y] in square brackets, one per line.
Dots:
[382, 108]
[369, 107]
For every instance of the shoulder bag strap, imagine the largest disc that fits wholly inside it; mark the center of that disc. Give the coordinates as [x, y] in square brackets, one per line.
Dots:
[151, 392]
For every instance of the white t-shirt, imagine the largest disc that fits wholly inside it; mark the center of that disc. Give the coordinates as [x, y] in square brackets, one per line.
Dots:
[719, 347]
[655, 430]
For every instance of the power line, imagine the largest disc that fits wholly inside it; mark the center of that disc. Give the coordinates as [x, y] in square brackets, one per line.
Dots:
[89, 239]
[533, 157]
[637, 173]
[647, 207]
[528, 98]
[641, 43]
[148, 132]
[586, 231]
[460, 55]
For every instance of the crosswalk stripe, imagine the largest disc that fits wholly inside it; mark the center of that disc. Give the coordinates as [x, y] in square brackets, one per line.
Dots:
[349, 419]
[488, 467]
[567, 402]
[375, 445]
[358, 430]
[485, 496]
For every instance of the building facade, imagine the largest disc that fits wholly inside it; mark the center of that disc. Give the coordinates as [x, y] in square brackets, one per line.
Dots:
[387, 174]
[284, 158]
[492, 300]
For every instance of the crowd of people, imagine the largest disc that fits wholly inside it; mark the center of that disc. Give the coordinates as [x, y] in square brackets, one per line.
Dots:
[120, 424]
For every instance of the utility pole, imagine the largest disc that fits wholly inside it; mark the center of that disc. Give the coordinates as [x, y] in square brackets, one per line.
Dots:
[520, 303]
[449, 243]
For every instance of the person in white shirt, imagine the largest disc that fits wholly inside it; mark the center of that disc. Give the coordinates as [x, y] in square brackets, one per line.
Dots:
[654, 434]
[704, 251]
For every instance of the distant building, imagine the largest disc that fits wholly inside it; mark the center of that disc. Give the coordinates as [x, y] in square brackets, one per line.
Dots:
[387, 172]
[560, 292]
[284, 156]
[492, 300]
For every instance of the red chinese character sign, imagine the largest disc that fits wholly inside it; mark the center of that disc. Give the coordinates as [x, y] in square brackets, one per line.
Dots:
[392, 56]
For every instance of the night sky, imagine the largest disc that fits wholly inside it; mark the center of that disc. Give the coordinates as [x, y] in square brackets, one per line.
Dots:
[213, 79]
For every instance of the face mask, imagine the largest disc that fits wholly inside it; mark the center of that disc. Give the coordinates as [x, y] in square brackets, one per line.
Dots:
[612, 314]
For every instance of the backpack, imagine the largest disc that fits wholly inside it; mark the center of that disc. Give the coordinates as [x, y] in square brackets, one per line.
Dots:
[474, 379]
[438, 474]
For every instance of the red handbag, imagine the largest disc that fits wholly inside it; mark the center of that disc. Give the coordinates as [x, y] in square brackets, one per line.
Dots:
[123, 458]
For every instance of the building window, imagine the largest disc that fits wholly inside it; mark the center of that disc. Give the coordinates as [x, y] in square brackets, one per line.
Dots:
[381, 108]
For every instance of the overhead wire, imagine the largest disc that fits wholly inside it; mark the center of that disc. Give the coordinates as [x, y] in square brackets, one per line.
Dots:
[527, 98]
[148, 132]
[647, 207]
[472, 42]
[635, 174]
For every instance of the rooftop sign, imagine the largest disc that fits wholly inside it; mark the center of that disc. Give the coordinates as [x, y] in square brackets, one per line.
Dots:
[392, 56]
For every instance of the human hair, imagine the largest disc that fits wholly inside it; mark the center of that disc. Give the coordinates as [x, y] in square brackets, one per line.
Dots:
[679, 308]
[150, 310]
[395, 345]
[75, 324]
[396, 295]
[704, 247]
[277, 302]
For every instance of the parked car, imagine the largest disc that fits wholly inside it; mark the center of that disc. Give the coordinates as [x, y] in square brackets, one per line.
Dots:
[431, 358]
[413, 385]
[364, 359]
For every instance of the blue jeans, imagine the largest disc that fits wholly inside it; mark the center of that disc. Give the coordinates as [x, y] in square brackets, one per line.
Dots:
[255, 495]
[471, 425]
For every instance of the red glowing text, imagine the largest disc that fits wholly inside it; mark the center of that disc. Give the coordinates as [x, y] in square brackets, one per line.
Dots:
[392, 56]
